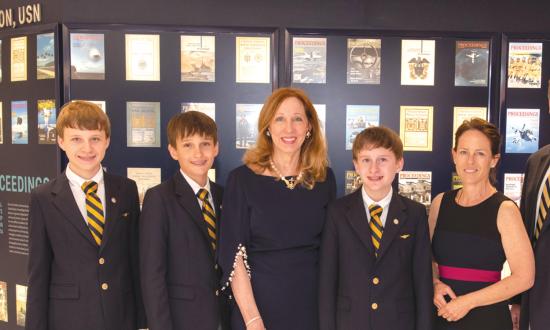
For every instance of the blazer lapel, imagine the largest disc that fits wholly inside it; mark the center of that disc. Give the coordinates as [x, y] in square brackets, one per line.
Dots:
[187, 199]
[542, 175]
[395, 219]
[64, 201]
[357, 217]
[217, 197]
[112, 202]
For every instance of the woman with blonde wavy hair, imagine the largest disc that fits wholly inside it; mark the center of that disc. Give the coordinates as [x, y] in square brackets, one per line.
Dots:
[274, 212]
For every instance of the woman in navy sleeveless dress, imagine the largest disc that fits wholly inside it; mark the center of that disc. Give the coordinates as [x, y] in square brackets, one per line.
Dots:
[475, 229]
[272, 219]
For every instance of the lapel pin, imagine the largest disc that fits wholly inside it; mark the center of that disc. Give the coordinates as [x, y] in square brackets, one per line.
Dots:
[395, 221]
[405, 236]
[113, 200]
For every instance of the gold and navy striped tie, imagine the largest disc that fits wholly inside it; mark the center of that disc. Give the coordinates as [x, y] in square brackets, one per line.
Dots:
[544, 206]
[208, 215]
[376, 226]
[94, 211]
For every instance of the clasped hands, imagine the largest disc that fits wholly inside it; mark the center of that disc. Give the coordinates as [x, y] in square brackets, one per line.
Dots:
[453, 310]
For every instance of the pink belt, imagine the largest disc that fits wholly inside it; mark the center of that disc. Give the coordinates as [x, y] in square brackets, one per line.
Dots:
[468, 274]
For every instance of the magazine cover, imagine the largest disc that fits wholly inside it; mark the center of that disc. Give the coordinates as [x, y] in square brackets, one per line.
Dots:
[87, 56]
[18, 57]
[359, 117]
[309, 60]
[208, 109]
[512, 186]
[145, 178]
[471, 63]
[198, 58]
[19, 123]
[246, 124]
[456, 181]
[524, 64]
[460, 114]
[416, 185]
[352, 182]
[143, 124]
[45, 56]
[322, 114]
[3, 301]
[143, 57]
[253, 59]
[20, 304]
[47, 134]
[522, 130]
[416, 128]
[417, 62]
[364, 61]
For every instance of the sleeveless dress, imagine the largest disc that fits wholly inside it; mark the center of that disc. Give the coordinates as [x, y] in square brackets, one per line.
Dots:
[277, 231]
[467, 247]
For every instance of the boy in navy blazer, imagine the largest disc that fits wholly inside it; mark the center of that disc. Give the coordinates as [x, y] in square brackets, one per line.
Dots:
[178, 233]
[83, 225]
[375, 264]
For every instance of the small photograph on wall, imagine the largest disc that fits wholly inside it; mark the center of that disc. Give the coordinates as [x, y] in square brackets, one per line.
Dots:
[359, 117]
[364, 61]
[47, 134]
[247, 125]
[143, 57]
[416, 185]
[352, 182]
[3, 301]
[198, 58]
[524, 64]
[19, 123]
[512, 186]
[18, 56]
[417, 62]
[456, 181]
[145, 178]
[522, 130]
[208, 109]
[471, 63]
[20, 304]
[143, 124]
[253, 59]
[87, 56]
[309, 60]
[321, 110]
[416, 128]
[460, 114]
[45, 56]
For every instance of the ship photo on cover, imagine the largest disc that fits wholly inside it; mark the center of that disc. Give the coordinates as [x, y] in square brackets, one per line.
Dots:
[45, 56]
[524, 65]
[471, 63]
[359, 117]
[416, 185]
[309, 60]
[198, 58]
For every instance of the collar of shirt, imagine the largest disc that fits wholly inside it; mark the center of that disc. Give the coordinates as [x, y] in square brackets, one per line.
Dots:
[75, 183]
[195, 186]
[384, 203]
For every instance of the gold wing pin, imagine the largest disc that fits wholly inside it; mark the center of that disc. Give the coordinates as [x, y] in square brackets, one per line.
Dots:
[405, 236]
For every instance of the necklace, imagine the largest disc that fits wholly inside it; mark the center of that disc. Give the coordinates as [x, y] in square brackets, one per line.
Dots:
[290, 181]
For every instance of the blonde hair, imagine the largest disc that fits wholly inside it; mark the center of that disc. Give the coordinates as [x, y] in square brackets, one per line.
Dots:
[82, 115]
[313, 154]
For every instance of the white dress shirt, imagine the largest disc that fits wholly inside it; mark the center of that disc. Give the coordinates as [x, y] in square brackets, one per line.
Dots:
[384, 203]
[196, 187]
[75, 182]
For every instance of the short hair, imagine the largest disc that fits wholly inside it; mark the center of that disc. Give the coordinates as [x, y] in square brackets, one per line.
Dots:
[190, 123]
[313, 154]
[378, 137]
[491, 133]
[82, 115]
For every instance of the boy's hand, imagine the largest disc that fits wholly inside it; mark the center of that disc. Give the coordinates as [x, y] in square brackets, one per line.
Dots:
[440, 291]
[455, 309]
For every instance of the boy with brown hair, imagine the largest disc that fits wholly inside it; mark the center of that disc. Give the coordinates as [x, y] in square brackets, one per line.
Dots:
[178, 233]
[375, 264]
[83, 262]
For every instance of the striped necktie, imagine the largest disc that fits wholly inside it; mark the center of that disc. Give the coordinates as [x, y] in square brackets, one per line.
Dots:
[544, 206]
[376, 226]
[94, 211]
[209, 216]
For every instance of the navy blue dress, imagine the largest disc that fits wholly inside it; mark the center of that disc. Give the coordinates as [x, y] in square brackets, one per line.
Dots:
[279, 230]
[468, 238]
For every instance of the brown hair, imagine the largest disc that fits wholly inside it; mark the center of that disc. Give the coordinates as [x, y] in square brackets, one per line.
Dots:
[313, 153]
[486, 128]
[378, 137]
[190, 123]
[82, 115]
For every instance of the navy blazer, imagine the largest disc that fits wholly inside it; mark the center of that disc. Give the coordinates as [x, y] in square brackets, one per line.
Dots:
[73, 283]
[535, 303]
[179, 275]
[360, 291]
